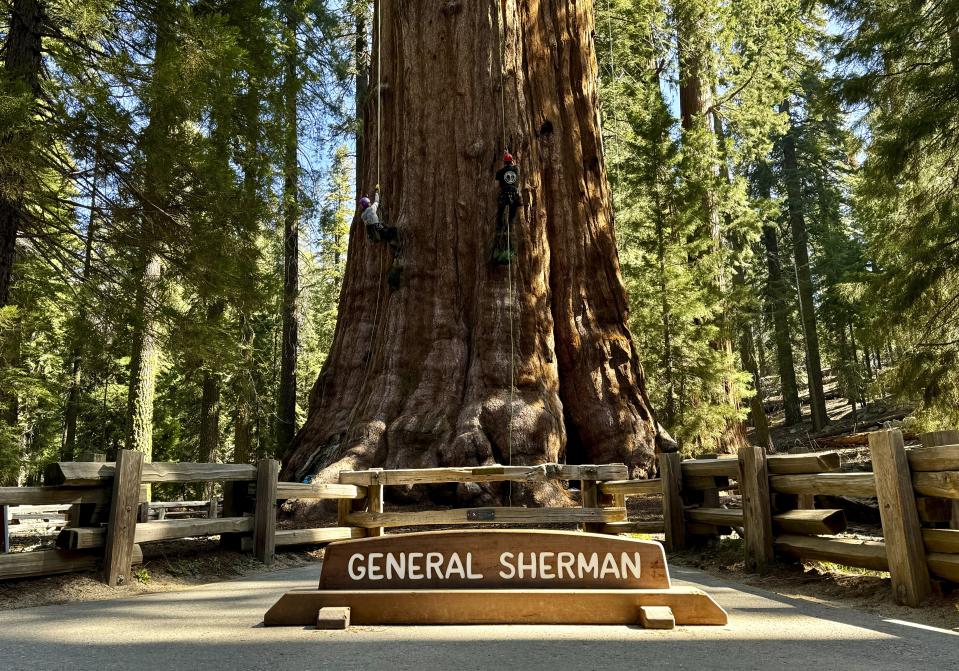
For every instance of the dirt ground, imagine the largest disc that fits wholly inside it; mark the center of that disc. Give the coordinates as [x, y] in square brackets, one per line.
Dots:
[167, 567]
[838, 586]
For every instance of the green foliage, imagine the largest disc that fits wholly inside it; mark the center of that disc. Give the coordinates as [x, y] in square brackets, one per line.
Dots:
[161, 131]
[160, 134]
[901, 66]
[683, 213]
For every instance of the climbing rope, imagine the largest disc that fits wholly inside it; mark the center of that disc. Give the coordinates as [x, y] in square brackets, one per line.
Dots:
[379, 88]
[382, 274]
[501, 35]
[600, 112]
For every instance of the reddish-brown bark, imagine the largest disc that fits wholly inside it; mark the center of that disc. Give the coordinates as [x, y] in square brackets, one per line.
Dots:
[420, 376]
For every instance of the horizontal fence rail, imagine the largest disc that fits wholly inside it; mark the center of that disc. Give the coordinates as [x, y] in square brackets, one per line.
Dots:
[917, 490]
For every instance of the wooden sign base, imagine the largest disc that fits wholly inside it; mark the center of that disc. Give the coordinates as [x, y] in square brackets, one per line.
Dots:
[496, 577]
[690, 606]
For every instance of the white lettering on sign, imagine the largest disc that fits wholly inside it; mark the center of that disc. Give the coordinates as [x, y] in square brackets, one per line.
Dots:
[520, 566]
[412, 566]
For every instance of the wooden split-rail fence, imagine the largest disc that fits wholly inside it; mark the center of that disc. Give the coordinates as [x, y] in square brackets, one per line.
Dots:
[917, 491]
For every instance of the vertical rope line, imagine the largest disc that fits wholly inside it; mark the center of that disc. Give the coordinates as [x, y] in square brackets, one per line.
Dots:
[501, 35]
[378, 10]
[379, 87]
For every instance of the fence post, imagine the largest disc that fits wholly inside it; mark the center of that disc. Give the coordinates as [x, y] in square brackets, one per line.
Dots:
[264, 525]
[905, 550]
[940, 439]
[124, 507]
[235, 504]
[757, 515]
[674, 513]
[374, 500]
[4, 529]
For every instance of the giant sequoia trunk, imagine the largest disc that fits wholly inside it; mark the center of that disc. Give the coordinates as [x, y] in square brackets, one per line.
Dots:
[420, 376]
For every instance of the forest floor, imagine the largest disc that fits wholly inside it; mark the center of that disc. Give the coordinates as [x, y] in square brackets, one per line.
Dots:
[168, 566]
[847, 427]
[822, 583]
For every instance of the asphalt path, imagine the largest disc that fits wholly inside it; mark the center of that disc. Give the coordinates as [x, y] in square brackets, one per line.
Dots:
[219, 626]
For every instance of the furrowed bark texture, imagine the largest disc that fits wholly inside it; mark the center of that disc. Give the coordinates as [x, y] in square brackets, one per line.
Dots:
[420, 376]
[22, 61]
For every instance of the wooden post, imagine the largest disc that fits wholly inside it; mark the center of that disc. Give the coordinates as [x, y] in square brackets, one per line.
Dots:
[124, 506]
[143, 513]
[590, 496]
[264, 527]
[235, 497]
[674, 514]
[374, 500]
[757, 513]
[900, 520]
[211, 507]
[4, 529]
[939, 439]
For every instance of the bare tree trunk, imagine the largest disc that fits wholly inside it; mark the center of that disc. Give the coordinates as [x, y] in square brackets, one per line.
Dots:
[421, 376]
[669, 410]
[243, 419]
[804, 280]
[776, 291]
[757, 411]
[22, 70]
[143, 362]
[286, 401]
[209, 442]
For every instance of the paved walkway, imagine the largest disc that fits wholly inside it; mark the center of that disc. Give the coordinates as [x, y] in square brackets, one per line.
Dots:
[219, 627]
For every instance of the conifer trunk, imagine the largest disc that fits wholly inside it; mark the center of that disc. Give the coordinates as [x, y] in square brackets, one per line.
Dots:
[786, 364]
[776, 291]
[286, 411]
[209, 442]
[155, 141]
[72, 412]
[244, 416]
[804, 281]
[142, 388]
[420, 376]
[22, 70]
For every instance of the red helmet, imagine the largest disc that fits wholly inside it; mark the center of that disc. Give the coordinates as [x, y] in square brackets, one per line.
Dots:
[507, 158]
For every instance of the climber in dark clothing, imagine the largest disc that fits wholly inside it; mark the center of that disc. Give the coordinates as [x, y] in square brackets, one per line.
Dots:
[507, 205]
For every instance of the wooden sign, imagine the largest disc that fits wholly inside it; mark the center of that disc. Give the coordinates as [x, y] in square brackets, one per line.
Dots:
[494, 559]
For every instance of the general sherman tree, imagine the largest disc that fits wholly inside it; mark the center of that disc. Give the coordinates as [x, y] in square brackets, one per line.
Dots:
[467, 362]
